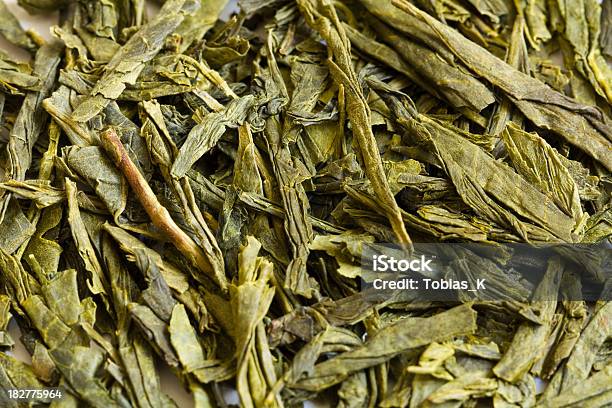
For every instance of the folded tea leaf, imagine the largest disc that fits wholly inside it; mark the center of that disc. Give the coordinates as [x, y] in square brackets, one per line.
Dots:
[38, 191]
[386, 55]
[542, 165]
[92, 165]
[78, 365]
[582, 28]
[571, 326]
[42, 364]
[192, 193]
[325, 20]
[12, 30]
[580, 362]
[60, 106]
[18, 283]
[529, 340]
[16, 228]
[196, 25]
[408, 24]
[206, 134]
[517, 55]
[592, 392]
[461, 389]
[19, 374]
[129, 60]
[184, 340]
[97, 281]
[5, 317]
[457, 86]
[304, 361]
[136, 250]
[458, 321]
[17, 78]
[536, 18]
[354, 391]
[155, 330]
[138, 360]
[494, 9]
[52, 329]
[545, 107]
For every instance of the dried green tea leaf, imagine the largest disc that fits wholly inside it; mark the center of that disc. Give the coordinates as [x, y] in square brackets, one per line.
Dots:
[543, 166]
[206, 134]
[591, 392]
[582, 28]
[41, 192]
[184, 340]
[325, 20]
[17, 77]
[196, 25]
[605, 39]
[580, 362]
[197, 186]
[130, 59]
[94, 167]
[389, 342]
[138, 360]
[12, 30]
[78, 364]
[536, 18]
[17, 282]
[135, 249]
[97, 281]
[529, 341]
[5, 317]
[583, 126]
[155, 330]
[457, 86]
[15, 229]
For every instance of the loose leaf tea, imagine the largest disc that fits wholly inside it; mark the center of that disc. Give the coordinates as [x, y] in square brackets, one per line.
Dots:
[12, 31]
[360, 203]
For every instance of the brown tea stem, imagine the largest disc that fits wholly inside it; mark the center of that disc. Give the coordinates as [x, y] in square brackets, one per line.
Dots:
[158, 213]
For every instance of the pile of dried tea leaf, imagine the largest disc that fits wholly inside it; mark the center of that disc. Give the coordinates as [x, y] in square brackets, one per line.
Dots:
[183, 193]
